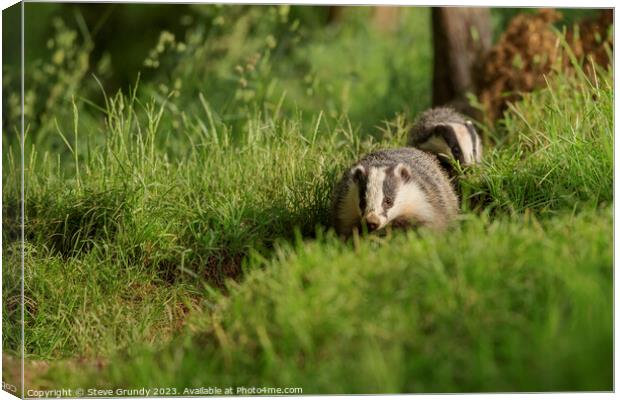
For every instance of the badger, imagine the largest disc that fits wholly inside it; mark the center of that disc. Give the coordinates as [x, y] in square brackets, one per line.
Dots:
[448, 135]
[400, 188]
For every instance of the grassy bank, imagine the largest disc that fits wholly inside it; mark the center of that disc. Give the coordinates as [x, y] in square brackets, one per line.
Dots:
[509, 305]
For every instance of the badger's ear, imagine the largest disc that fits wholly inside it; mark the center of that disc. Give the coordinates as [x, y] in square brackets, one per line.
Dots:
[403, 172]
[358, 172]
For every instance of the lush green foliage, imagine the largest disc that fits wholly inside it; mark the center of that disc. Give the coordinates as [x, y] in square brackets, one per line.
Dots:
[494, 306]
[557, 148]
[138, 207]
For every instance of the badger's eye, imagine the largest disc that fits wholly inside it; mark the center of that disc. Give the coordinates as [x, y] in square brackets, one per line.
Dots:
[388, 202]
[456, 150]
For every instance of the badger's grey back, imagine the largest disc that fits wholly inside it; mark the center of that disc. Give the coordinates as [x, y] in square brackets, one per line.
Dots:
[440, 115]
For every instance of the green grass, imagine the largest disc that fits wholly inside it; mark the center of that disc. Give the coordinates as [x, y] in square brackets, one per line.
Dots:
[140, 209]
[508, 305]
[556, 153]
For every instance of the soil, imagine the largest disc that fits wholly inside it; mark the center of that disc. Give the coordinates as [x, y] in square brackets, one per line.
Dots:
[530, 49]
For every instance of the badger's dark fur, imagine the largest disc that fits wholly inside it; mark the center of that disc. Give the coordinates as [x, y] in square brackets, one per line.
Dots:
[398, 187]
[448, 135]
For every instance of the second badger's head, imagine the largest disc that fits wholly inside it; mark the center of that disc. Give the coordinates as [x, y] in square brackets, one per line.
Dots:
[387, 193]
[453, 140]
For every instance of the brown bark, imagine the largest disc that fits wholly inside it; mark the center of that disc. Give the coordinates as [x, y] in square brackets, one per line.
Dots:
[334, 14]
[385, 19]
[461, 37]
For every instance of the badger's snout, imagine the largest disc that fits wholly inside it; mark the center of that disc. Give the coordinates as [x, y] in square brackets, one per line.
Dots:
[372, 221]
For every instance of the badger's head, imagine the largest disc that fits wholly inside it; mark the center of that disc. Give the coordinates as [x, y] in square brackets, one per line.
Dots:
[386, 194]
[454, 141]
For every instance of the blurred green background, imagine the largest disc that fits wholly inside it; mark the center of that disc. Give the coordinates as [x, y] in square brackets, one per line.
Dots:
[126, 32]
[291, 52]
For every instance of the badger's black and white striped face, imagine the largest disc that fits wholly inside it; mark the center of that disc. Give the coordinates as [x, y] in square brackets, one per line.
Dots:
[454, 140]
[385, 194]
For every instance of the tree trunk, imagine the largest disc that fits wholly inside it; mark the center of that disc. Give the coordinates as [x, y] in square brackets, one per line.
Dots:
[386, 18]
[461, 37]
[334, 14]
